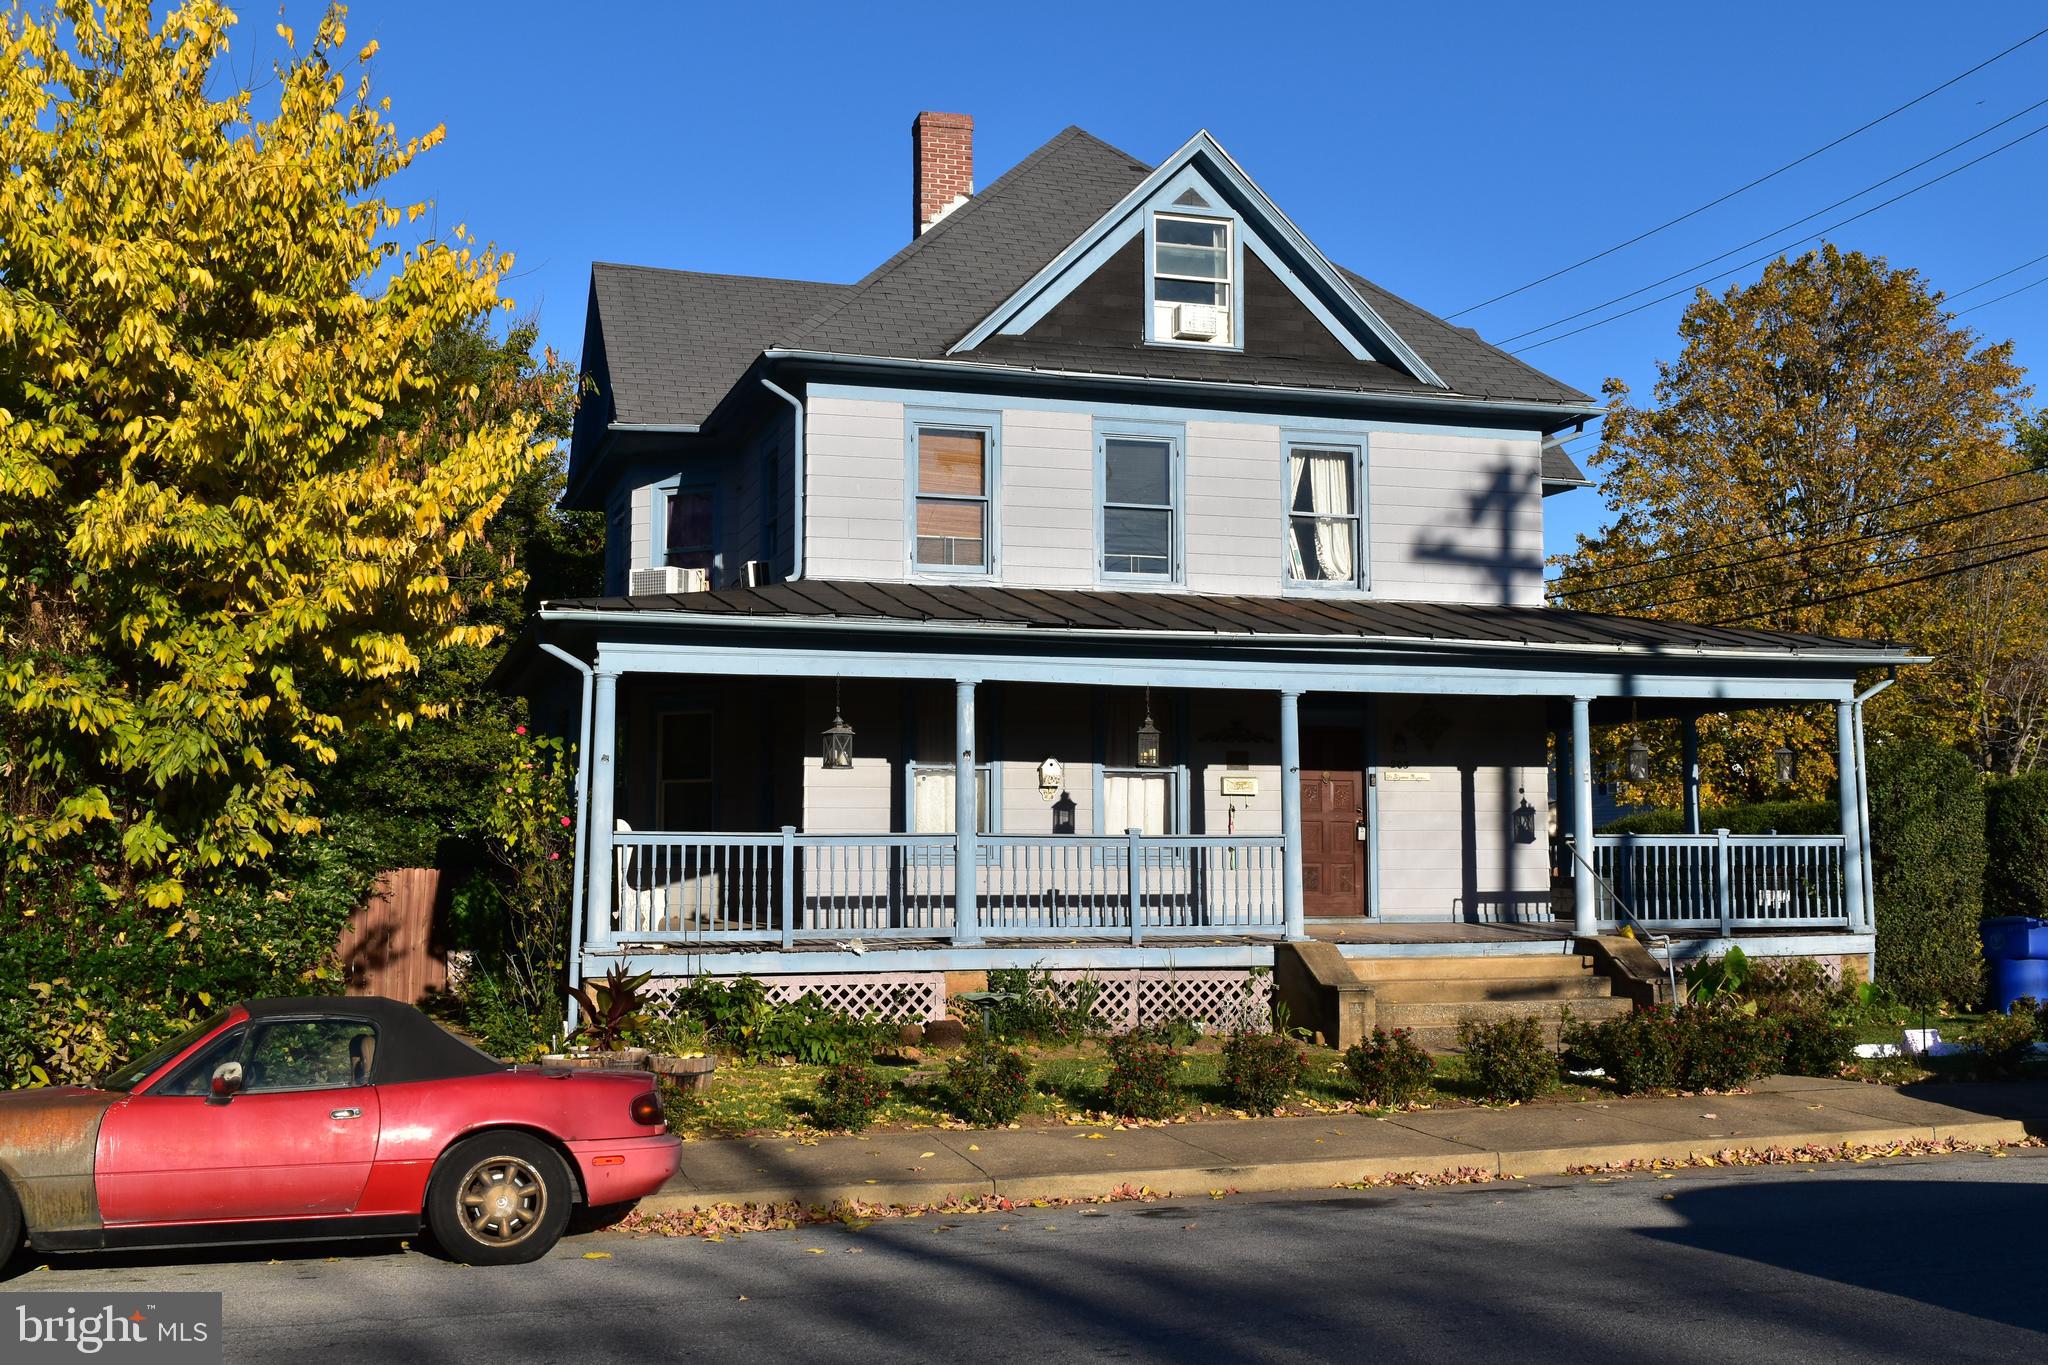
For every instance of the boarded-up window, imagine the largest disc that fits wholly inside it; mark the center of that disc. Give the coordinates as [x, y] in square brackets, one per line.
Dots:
[952, 498]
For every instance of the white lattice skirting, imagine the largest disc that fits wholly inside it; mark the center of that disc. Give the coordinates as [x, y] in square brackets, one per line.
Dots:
[1128, 997]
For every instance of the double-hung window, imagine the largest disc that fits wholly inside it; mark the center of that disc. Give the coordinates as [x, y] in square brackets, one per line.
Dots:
[931, 798]
[1322, 514]
[1139, 535]
[1191, 284]
[686, 522]
[952, 502]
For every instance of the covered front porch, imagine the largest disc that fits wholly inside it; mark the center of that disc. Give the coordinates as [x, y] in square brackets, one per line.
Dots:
[771, 779]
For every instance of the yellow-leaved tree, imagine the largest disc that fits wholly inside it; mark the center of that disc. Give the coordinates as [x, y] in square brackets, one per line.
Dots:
[210, 316]
[1831, 453]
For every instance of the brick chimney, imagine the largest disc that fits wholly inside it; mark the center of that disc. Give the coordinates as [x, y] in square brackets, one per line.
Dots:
[941, 166]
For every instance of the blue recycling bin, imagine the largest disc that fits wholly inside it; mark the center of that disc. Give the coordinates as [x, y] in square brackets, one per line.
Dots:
[2016, 951]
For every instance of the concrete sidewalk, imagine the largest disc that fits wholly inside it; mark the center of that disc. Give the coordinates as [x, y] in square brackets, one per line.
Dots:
[931, 1165]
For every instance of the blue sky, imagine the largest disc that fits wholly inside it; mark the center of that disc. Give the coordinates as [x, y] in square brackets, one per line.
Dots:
[1447, 159]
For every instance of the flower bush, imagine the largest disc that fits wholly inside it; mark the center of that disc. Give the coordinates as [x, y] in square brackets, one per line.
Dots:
[2006, 1040]
[848, 1096]
[1390, 1068]
[988, 1083]
[1260, 1069]
[1508, 1058]
[1144, 1077]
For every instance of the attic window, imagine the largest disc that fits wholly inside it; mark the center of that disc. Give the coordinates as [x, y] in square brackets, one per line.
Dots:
[1191, 284]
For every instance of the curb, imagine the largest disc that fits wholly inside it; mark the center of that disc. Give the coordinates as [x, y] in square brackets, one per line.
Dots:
[1322, 1173]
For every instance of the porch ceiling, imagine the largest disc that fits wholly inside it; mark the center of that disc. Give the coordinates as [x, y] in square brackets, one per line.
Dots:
[1138, 616]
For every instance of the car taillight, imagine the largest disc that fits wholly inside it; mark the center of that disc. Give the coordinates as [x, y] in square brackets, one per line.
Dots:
[647, 1109]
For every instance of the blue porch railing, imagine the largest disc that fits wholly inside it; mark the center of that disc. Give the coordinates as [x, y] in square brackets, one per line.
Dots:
[789, 887]
[1723, 881]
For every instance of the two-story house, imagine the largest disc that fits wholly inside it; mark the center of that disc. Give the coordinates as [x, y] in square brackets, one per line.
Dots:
[1112, 581]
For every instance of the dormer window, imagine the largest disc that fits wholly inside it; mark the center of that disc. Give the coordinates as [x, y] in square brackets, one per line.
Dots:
[1192, 300]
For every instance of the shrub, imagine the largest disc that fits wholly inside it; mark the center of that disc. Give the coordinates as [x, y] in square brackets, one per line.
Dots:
[1638, 1051]
[1720, 1048]
[1144, 1077]
[1039, 1008]
[741, 1017]
[988, 1083]
[2006, 1040]
[1508, 1058]
[1389, 1068]
[848, 1096]
[1927, 850]
[1260, 1069]
[1817, 1041]
[1757, 817]
[2016, 846]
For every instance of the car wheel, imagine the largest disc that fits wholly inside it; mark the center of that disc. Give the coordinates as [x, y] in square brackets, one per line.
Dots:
[499, 1199]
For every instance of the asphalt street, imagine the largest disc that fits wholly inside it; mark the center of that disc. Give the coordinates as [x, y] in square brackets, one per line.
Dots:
[1942, 1259]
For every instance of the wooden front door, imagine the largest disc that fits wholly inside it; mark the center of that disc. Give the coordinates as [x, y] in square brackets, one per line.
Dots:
[1332, 822]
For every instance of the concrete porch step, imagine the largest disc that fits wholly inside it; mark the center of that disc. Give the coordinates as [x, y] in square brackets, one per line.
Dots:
[1526, 989]
[1378, 969]
[1445, 1015]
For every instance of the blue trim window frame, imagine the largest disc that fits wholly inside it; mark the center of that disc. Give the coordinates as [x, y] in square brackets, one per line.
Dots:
[1316, 539]
[1132, 527]
[698, 544]
[1185, 279]
[988, 799]
[948, 497]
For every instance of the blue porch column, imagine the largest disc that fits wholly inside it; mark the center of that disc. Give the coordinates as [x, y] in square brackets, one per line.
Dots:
[1689, 735]
[1585, 910]
[966, 823]
[1848, 788]
[603, 866]
[1290, 814]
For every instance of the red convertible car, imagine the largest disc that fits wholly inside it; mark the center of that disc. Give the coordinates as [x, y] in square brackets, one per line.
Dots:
[282, 1120]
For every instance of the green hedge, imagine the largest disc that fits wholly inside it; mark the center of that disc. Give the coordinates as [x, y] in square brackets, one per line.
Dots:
[2016, 846]
[1762, 817]
[1927, 848]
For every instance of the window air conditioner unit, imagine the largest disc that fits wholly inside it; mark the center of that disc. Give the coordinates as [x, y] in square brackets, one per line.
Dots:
[649, 582]
[1197, 321]
[755, 573]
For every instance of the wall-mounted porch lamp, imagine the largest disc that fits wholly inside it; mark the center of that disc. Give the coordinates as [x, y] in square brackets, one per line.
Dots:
[1148, 737]
[1788, 765]
[838, 736]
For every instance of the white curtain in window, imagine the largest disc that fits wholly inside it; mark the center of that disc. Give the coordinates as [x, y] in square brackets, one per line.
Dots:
[932, 793]
[1326, 479]
[1133, 800]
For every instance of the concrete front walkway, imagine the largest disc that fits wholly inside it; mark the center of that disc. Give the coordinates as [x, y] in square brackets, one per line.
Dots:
[931, 1165]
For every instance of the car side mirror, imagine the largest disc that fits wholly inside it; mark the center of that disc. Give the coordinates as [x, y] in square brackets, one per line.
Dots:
[227, 1082]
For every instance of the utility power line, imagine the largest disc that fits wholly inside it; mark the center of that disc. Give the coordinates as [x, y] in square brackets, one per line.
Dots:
[1887, 587]
[1913, 501]
[1817, 547]
[1782, 227]
[1781, 249]
[2001, 298]
[1993, 279]
[1744, 189]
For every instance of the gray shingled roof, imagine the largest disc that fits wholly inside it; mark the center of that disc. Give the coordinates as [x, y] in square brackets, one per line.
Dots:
[676, 341]
[1328, 619]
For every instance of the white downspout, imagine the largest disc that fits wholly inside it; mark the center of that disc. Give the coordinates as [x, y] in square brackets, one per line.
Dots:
[796, 406]
[582, 824]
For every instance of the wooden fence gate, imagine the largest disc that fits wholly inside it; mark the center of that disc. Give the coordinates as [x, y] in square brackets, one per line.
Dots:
[389, 946]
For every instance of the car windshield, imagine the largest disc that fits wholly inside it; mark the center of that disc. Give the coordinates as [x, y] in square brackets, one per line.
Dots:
[128, 1077]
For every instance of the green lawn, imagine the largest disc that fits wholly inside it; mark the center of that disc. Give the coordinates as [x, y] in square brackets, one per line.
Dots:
[770, 1099]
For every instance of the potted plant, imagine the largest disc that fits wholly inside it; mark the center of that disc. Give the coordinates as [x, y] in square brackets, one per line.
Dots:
[610, 1015]
[679, 1049]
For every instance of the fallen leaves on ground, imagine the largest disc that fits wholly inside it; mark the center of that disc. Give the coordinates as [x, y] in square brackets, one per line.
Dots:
[1425, 1180]
[1808, 1154]
[715, 1224]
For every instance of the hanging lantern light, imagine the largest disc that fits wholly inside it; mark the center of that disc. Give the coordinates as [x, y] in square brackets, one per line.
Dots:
[1638, 761]
[1525, 820]
[1788, 765]
[1148, 737]
[838, 736]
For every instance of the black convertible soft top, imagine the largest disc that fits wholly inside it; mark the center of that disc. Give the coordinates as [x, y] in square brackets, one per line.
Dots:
[410, 1046]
